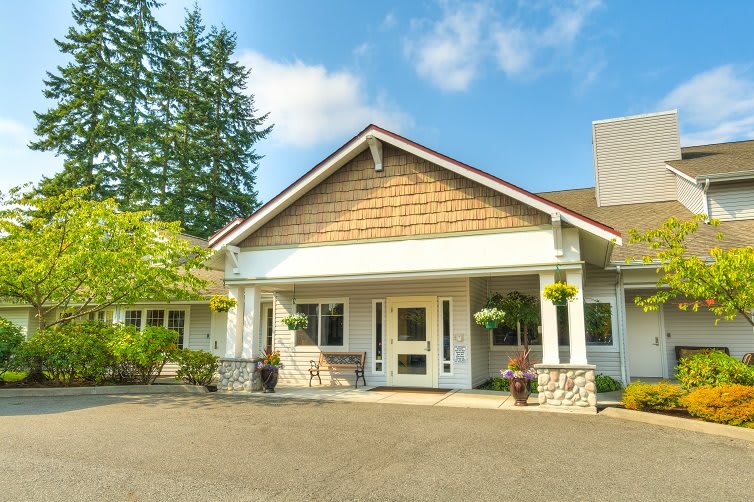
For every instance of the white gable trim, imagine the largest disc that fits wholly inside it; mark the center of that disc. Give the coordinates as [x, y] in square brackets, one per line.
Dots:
[359, 144]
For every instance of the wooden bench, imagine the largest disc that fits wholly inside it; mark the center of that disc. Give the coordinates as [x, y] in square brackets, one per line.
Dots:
[682, 351]
[354, 360]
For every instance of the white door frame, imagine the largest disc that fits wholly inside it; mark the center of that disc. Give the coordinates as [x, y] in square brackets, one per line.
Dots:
[432, 334]
[662, 346]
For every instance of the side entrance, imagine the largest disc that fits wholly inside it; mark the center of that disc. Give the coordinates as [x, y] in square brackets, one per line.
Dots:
[412, 341]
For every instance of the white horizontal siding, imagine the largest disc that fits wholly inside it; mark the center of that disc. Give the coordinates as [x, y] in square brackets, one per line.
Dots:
[731, 201]
[360, 296]
[480, 346]
[690, 195]
[199, 327]
[630, 157]
[19, 316]
[698, 329]
[607, 363]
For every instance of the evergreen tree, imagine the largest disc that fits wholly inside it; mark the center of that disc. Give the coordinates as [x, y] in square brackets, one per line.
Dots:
[230, 133]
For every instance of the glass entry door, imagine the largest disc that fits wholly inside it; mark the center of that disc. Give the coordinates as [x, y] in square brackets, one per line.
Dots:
[412, 331]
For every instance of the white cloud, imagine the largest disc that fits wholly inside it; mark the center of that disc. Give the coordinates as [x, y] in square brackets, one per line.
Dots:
[310, 104]
[19, 164]
[715, 106]
[363, 49]
[389, 21]
[450, 52]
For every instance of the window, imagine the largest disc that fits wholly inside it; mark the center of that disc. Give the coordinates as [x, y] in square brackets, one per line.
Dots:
[326, 326]
[447, 335]
[155, 318]
[268, 330]
[105, 316]
[506, 336]
[177, 322]
[133, 318]
[598, 322]
[378, 312]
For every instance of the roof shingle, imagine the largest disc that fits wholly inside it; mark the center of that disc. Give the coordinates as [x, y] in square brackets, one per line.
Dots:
[722, 158]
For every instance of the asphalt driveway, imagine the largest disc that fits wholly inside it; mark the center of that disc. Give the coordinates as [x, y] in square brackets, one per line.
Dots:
[212, 447]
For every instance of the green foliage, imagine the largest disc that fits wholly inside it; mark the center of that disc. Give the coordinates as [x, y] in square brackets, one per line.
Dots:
[713, 368]
[221, 303]
[722, 282]
[11, 337]
[486, 315]
[606, 383]
[141, 355]
[296, 321]
[67, 252]
[70, 352]
[196, 367]
[152, 119]
[646, 396]
[519, 309]
[504, 385]
[560, 292]
[725, 404]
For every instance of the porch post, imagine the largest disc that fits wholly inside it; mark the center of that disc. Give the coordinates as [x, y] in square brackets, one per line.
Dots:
[577, 332]
[251, 322]
[234, 333]
[550, 351]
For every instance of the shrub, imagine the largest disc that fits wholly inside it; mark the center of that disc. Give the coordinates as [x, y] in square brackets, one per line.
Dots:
[724, 404]
[196, 367]
[141, 355]
[713, 368]
[645, 396]
[11, 337]
[504, 385]
[606, 383]
[69, 352]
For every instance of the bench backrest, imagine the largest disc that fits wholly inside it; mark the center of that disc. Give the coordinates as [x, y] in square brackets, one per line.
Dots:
[342, 358]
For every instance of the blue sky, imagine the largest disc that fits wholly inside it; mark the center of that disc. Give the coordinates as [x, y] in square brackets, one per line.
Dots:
[508, 87]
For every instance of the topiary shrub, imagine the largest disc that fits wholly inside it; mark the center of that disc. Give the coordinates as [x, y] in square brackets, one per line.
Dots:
[645, 396]
[713, 368]
[196, 367]
[11, 337]
[606, 383]
[724, 404]
[141, 355]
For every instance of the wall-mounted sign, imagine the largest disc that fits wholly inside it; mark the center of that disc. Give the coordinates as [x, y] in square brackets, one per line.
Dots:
[459, 354]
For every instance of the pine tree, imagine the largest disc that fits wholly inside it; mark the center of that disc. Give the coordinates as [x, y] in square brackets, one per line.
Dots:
[230, 133]
[80, 127]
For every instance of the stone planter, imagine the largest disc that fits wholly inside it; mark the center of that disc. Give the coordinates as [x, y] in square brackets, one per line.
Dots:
[567, 385]
[269, 377]
[520, 391]
[238, 374]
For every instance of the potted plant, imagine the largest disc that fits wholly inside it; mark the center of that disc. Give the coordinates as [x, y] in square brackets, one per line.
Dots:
[295, 321]
[220, 303]
[560, 293]
[489, 317]
[268, 366]
[520, 373]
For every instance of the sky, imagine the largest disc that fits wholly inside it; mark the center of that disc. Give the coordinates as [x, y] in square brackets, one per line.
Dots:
[508, 87]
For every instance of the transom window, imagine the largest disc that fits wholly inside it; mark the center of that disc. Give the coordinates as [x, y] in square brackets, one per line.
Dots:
[326, 326]
[173, 319]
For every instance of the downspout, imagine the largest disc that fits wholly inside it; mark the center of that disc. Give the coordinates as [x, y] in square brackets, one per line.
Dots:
[620, 308]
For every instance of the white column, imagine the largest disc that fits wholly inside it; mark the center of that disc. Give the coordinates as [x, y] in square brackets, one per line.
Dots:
[576, 330]
[252, 322]
[234, 333]
[550, 351]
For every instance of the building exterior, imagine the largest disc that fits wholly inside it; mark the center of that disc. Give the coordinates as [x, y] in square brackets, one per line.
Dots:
[389, 248]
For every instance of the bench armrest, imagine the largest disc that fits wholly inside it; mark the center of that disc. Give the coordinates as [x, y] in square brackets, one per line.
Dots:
[313, 365]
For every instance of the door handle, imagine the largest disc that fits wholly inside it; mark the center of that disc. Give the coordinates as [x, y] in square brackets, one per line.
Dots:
[428, 349]
[657, 341]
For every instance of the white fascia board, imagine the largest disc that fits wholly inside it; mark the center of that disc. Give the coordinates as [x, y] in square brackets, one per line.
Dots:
[681, 174]
[734, 176]
[641, 116]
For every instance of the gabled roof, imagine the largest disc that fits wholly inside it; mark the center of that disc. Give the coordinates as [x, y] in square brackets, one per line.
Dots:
[722, 161]
[239, 229]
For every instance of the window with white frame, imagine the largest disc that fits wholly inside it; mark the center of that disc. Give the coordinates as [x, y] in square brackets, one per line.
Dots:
[105, 316]
[446, 332]
[598, 323]
[378, 335]
[503, 336]
[173, 319]
[327, 326]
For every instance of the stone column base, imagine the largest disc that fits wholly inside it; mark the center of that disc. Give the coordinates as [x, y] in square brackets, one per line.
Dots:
[238, 374]
[566, 385]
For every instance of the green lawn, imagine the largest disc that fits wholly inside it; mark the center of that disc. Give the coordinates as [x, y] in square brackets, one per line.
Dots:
[13, 376]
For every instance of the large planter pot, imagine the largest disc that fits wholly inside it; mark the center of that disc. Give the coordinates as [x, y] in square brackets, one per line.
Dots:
[490, 324]
[520, 391]
[269, 378]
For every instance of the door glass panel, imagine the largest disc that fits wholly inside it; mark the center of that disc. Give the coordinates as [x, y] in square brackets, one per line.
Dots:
[412, 364]
[412, 324]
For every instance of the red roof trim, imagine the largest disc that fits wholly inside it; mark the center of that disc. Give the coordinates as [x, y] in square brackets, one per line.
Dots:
[489, 176]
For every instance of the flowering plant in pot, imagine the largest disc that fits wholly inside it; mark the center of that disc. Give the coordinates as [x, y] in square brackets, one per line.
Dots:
[295, 321]
[269, 365]
[220, 303]
[489, 317]
[520, 372]
[560, 293]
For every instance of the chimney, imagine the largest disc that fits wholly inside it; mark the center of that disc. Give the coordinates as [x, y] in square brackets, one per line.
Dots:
[630, 155]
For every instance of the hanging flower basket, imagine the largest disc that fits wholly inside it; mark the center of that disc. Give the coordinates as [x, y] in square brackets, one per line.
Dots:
[490, 318]
[220, 303]
[560, 293]
[295, 321]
